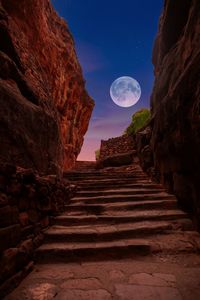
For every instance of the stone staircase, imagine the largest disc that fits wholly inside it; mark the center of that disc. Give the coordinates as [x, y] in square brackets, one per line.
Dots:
[117, 213]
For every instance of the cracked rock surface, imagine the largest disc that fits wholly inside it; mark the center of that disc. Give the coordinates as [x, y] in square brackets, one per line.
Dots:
[148, 279]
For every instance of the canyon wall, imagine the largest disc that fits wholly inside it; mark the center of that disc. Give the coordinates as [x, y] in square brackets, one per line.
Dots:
[175, 103]
[45, 109]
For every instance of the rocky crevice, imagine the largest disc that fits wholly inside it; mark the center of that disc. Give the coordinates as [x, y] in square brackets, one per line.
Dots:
[169, 148]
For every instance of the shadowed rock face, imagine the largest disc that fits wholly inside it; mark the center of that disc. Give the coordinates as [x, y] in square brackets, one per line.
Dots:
[175, 101]
[45, 109]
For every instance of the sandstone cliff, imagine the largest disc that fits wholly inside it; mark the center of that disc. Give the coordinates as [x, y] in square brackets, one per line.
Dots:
[175, 102]
[45, 108]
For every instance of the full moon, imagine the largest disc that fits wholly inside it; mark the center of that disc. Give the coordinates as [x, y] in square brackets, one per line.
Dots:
[125, 91]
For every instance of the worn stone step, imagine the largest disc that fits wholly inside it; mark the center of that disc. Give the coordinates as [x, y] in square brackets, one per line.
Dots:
[122, 198]
[66, 252]
[108, 184]
[124, 191]
[116, 215]
[103, 175]
[104, 187]
[110, 180]
[101, 172]
[125, 206]
[108, 175]
[172, 243]
[121, 218]
[85, 166]
[105, 233]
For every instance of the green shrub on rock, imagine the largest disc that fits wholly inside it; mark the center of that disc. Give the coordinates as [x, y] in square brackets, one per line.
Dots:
[139, 120]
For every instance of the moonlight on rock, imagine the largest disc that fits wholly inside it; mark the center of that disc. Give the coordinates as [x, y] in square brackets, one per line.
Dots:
[125, 91]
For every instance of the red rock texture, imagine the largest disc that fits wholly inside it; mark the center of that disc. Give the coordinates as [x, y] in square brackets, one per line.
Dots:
[118, 145]
[45, 108]
[175, 102]
[27, 201]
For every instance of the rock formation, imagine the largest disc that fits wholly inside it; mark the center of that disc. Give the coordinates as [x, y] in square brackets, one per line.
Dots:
[175, 102]
[27, 203]
[45, 108]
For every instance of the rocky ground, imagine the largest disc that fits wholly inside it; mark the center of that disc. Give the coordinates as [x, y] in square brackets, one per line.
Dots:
[148, 278]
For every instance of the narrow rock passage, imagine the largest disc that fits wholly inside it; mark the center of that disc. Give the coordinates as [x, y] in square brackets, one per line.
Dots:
[121, 237]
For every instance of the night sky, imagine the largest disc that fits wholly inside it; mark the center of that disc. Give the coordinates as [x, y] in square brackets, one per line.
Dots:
[113, 38]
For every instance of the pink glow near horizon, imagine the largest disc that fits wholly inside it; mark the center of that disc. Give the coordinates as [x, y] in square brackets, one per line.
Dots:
[100, 129]
[88, 149]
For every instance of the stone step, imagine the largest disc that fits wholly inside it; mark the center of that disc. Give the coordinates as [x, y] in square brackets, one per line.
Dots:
[106, 233]
[151, 215]
[84, 165]
[122, 198]
[172, 243]
[66, 252]
[103, 175]
[108, 186]
[99, 209]
[109, 179]
[124, 191]
[102, 171]
[108, 183]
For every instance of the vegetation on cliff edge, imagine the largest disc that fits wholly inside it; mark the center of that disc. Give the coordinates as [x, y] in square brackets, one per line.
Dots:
[139, 120]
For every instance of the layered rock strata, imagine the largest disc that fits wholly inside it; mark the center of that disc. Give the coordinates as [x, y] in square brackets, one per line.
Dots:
[45, 109]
